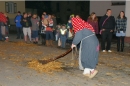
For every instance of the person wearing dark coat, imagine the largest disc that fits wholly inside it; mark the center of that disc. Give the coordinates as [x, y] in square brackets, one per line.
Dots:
[107, 26]
[54, 26]
[26, 24]
[89, 46]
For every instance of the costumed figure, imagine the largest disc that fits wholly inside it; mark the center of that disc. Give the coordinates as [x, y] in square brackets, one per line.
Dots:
[89, 46]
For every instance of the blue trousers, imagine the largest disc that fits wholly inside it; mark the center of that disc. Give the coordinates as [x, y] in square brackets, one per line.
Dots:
[63, 41]
[34, 34]
[19, 32]
[49, 35]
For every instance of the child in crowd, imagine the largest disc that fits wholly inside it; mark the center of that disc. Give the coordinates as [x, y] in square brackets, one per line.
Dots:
[70, 30]
[63, 36]
[35, 28]
[58, 34]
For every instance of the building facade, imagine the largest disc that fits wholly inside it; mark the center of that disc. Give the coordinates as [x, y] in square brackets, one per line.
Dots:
[11, 8]
[100, 7]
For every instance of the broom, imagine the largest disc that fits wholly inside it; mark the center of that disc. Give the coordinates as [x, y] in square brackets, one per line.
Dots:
[55, 58]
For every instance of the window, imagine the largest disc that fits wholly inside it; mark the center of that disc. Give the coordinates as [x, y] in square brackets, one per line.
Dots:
[117, 3]
[10, 7]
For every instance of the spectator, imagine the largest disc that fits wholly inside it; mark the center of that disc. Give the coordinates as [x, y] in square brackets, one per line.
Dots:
[49, 32]
[35, 28]
[107, 25]
[3, 34]
[29, 15]
[70, 27]
[3, 24]
[26, 23]
[43, 29]
[63, 36]
[7, 25]
[54, 26]
[58, 31]
[18, 25]
[121, 22]
[93, 20]
[77, 16]
[45, 14]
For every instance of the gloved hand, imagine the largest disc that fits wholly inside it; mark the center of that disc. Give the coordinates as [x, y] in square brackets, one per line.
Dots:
[72, 46]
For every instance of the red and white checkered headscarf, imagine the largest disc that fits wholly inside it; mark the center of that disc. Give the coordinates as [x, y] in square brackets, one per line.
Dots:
[79, 24]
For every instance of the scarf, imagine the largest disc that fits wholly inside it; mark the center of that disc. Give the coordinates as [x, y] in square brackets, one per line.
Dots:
[79, 24]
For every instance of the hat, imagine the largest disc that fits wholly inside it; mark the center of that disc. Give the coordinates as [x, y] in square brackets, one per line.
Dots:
[19, 12]
[72, 15]
[64, 25]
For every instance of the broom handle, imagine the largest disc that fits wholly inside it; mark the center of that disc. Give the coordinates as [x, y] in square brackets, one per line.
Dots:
[64, 54]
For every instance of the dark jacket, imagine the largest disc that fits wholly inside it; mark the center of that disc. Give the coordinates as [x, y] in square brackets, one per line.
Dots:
[109, 24]
[27, 23]
[54, 22]
[8, 21]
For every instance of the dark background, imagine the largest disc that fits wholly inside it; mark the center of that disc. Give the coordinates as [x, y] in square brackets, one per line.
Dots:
[42, 6]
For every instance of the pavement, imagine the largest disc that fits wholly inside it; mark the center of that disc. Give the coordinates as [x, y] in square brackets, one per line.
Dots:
[114, 68]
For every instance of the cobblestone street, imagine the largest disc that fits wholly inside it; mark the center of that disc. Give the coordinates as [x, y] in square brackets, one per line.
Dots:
[114, 68]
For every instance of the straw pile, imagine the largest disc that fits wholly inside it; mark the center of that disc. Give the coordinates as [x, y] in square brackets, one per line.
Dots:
[47, 68]
[23, 44]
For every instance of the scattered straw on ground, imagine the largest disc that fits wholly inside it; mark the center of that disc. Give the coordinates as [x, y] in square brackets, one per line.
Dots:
[47, 68]
[23, 44]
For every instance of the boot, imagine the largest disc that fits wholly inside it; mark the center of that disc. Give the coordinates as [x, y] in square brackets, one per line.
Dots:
[51, 43]
[118, 47]
[122, 47]
[47, 43]
[43, 42]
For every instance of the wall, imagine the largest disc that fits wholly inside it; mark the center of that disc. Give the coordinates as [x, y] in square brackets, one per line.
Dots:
[127, 11]
[20, 7]
[100, 7]
[31, 10]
